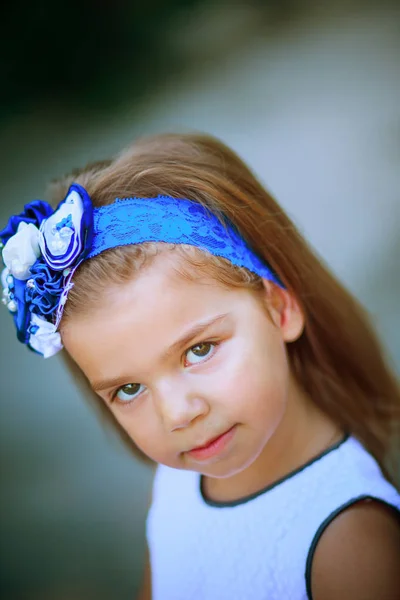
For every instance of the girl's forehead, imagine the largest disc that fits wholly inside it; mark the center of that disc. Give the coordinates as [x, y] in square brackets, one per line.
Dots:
[159, 297]
[164, 281]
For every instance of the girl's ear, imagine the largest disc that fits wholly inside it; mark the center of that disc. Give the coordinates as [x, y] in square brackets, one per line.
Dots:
[285, 311]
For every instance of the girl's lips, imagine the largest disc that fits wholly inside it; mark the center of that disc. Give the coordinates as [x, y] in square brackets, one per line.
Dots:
[213, 447]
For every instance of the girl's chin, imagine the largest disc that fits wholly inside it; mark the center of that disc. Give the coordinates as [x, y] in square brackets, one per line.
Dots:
[225, 469]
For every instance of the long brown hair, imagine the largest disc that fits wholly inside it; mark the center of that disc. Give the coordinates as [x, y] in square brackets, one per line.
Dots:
[338, 359]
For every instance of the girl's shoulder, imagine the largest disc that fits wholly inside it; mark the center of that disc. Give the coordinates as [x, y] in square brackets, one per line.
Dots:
[357, 556]
[355, 552]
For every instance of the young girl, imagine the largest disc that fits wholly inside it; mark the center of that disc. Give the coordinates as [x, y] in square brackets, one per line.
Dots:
[225, 352]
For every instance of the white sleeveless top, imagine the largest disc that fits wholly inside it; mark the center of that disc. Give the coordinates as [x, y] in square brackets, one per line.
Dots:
[260, 547]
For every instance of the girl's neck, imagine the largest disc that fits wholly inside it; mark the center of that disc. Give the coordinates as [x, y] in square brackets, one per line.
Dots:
[304, 433]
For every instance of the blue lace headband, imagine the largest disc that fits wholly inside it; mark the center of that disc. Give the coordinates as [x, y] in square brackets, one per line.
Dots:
[42, 248]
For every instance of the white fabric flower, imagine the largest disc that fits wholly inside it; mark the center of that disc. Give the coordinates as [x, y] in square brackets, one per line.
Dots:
[22, 251]
[45, 338]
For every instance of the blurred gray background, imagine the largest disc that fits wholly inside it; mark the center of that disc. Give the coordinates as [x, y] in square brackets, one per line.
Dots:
[308, 93]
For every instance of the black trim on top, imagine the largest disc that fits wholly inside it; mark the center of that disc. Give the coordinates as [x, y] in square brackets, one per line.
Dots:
[327, 522]
[231, 503]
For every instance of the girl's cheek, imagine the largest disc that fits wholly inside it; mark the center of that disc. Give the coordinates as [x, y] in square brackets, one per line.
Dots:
[145, 441]
[134, 420]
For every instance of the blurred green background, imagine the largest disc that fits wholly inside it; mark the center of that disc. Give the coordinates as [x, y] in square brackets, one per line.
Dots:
[307, 92]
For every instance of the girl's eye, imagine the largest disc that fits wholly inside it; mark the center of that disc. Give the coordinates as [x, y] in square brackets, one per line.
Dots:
[198, 353]
[129, 392]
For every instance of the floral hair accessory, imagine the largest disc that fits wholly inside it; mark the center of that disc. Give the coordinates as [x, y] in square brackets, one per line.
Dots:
[41, 248]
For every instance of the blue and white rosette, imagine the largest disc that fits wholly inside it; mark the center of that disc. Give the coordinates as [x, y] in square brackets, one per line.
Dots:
[41, 249]
[65, 235]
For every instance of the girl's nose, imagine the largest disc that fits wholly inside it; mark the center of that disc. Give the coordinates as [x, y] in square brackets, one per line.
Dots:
[179, 407]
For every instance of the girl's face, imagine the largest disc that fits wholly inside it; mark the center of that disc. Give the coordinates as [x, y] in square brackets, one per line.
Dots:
[181, 363]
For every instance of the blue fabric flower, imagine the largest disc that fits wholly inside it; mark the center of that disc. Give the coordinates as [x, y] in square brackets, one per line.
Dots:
[34, 212]
[44, 289]
[64, 239]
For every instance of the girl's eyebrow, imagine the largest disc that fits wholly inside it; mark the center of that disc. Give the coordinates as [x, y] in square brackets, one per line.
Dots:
[192, 333]
[183, 341]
